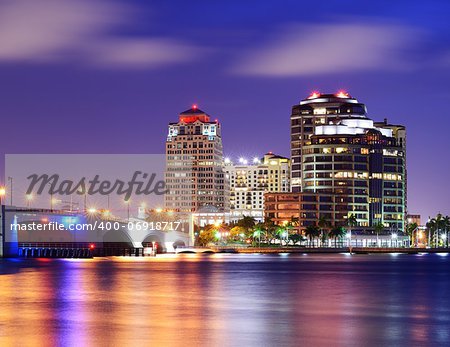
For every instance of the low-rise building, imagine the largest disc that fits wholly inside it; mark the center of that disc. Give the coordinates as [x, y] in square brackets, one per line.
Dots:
[306, 209]
[250, 181]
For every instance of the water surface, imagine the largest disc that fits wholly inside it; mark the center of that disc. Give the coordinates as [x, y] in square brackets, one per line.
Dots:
[227, 300]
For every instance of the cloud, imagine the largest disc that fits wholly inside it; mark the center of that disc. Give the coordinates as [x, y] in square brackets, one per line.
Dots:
[141, 53]
[322, 49]
[57, 30]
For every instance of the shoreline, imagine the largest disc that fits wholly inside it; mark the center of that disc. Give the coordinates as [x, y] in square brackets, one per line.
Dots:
[355, 250]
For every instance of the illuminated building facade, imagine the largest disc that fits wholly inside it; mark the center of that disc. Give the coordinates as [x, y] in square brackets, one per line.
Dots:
[250, 181]
[413, 218]
[316, 110]
[195, 175]
[308, 207]
[355, 166]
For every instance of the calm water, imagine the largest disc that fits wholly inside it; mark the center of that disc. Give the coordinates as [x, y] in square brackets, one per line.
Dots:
[227, 300]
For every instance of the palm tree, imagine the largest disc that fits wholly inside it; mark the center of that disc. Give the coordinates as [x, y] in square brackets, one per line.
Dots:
[295, 238]
[434, 225]
[259, 230]
[411, 229]
[248, 223]
[431, 226]
[281, 232]
[378, 228]
[439, 224]
[312, 232]
[269, 229]
[337, 232]
[323, 224]
[352, 222]
[446, 225]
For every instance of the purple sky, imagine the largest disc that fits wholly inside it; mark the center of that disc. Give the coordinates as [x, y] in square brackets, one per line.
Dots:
[91, 76]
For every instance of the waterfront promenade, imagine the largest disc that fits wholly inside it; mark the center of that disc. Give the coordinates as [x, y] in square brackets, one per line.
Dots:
[318, 250]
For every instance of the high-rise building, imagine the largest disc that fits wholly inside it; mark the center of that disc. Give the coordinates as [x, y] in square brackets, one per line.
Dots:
[250, 181]
[353, 165]
[195, 175]
[399, 132]
[318, 109]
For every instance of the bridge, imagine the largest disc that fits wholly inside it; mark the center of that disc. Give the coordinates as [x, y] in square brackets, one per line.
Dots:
[16, 223]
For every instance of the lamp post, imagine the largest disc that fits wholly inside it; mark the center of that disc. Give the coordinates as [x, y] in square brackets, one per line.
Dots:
[10, 179]
[349, 236]
[29, 198]
[2, 194]
[53, 202]
[443, 237]
[394, 237]
[128, 209]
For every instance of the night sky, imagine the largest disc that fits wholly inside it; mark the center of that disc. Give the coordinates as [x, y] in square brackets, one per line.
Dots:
[91, 76]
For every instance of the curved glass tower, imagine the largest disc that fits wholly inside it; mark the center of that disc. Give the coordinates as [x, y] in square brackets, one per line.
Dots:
[354, 165]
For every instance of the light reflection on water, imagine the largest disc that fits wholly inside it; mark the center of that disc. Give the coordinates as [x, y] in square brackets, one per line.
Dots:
[223, 299]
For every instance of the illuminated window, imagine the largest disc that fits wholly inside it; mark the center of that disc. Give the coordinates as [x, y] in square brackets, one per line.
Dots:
[364, 151]
[341, 150]
[320, 110]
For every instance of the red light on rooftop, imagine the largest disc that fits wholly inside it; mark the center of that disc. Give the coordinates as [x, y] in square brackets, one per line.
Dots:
[194, 106]
[342, 94]
[314, 95]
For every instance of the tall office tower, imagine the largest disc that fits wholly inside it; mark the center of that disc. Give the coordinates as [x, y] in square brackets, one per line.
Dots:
[317, 109]
[250, 181]
[195, 174]
[354, 166]
[399, 132]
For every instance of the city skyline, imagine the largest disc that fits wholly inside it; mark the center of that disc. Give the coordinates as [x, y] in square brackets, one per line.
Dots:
[78, 98]
[224, 173]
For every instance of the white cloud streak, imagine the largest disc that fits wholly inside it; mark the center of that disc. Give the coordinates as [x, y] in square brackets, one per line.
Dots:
[81, 30]
[323, 49]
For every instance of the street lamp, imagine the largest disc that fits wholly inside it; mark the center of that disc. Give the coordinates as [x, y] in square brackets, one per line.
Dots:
[2, 194]
[258, 233]
[29, 198]
[394, 237]
[285, 234]
[10, 179]
[53, 202]
[349, 237]
[127, 202]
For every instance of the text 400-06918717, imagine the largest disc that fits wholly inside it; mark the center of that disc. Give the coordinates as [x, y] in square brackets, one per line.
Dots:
[161, 226]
